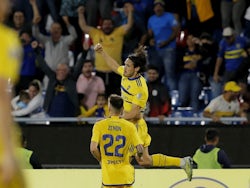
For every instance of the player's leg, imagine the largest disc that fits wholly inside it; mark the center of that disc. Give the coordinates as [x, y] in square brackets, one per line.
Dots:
[160, 160]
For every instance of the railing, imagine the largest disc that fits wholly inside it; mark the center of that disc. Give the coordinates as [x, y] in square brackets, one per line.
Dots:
[153, 120]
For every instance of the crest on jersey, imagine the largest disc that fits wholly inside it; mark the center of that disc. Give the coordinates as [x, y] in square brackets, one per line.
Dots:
[138, 95]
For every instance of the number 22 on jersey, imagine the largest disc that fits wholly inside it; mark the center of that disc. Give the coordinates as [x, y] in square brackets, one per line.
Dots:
[114, 145]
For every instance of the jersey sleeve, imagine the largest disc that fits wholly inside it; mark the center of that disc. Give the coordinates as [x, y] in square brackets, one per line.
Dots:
[95, 133]
[120, 70]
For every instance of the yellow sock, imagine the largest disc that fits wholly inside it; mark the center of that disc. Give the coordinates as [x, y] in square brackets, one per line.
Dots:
[161, 160]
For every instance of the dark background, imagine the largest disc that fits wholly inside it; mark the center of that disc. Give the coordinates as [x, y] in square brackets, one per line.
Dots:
[61, 145]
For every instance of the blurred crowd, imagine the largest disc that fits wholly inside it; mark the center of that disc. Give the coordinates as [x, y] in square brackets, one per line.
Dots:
[198, 52]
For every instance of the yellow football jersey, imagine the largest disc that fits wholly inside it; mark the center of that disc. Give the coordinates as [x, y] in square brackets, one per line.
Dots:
[10, 53]
[10, 57]
[116, 138]
[133, 91]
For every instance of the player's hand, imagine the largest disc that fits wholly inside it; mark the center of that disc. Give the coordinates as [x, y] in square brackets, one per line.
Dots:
[98, 48]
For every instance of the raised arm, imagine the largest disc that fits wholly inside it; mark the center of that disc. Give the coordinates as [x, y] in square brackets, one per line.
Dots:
[130, 18]
[72, 32]
[82, 21]
[78, 66]
[41, 62]
[36, 14]
[109, 60]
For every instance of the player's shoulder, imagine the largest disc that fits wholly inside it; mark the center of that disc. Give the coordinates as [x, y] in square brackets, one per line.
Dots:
[7, 33]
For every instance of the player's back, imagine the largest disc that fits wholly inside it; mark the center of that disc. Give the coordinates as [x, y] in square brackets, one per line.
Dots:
[116, 140]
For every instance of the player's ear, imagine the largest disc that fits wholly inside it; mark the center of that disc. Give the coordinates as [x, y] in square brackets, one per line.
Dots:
[137, 69]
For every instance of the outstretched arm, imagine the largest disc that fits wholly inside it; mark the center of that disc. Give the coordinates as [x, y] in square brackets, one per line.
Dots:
[109, 60]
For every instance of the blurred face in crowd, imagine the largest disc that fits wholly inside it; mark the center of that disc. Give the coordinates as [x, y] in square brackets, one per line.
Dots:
[87, 69]
[107, 26]
[25, 38]
[230, 39]
[4, 9]
[129, 70]
[56, 32]
[231, 95]
[62, 71]
[190, 41]
[101, 101]
[158, 9]
[152, 75]
[18, 19]
[32, 91]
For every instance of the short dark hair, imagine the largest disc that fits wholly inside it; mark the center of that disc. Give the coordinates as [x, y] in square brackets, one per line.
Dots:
[211, 134]
[116, 101]
[139, 58]
[88, 61]
[152, 67]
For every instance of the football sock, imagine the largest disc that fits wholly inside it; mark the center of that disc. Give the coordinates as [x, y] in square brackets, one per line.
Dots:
[161, 160]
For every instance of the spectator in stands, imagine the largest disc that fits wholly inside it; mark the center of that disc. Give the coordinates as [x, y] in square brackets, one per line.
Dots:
[28, 67]
[162, 30]
[61, 99]
[135, 35]
[232, 11]
[98, 7]
[98, 110]
[34, 107]
[225, 105]
[231, 50]
[208, 49]
[23, 7]
[24, 99]
[189, 83]
[69, 9]
[56, 45]
[200, 16]
[19, 23]
[28, 158]
[111, 38]
[159, 100]
[209, 156]
[89, 84]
